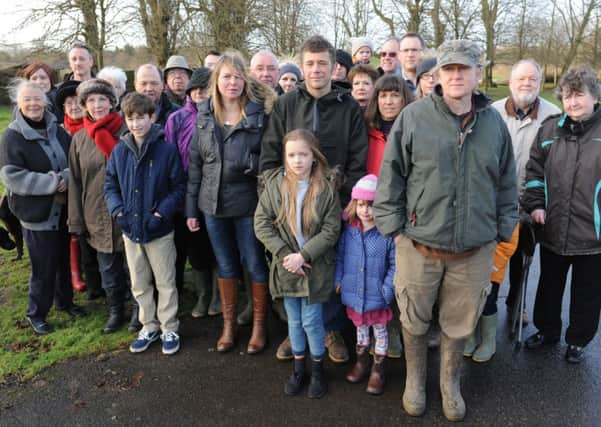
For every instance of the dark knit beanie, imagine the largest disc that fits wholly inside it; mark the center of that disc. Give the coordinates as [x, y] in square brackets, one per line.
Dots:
[291, 68]
[424, 66]
[344, 58]
[96, 86]
[199, 79]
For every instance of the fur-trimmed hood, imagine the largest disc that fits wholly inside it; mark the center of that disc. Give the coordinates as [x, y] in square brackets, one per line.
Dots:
[262, 93]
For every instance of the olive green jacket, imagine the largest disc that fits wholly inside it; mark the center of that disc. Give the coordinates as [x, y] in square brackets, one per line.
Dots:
[318, 249]
[443, 186]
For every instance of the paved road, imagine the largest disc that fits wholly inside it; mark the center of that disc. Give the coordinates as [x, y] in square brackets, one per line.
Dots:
[201, 387]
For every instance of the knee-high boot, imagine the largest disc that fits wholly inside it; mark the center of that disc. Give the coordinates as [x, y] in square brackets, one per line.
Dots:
[74, 259]
[416, 358]
[258, 339]
[228, 289]
[451, 357]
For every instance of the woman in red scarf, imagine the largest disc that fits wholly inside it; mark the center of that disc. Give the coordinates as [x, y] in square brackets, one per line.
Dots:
[88, 214]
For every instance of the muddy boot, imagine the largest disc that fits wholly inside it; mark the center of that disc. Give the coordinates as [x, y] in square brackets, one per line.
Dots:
[134, 322]
[361, 367]
[472, 341]
[488, 345]
[215, 305]
[202, 282]
[451, 357]
[74, 262]
[296, 381]
[246, 316]
[114, 298]
[376, 382]
[416, 358]
[318, 386]
[284, 351]
[258, 338]
[395, 346]
[228, 290]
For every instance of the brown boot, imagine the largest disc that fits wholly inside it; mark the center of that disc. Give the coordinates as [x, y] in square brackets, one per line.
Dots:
[228, 292]
[359, 370]
[258, 338]
[376, 382]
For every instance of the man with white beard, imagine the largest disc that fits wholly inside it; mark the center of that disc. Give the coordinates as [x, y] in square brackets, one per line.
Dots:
[523, 112]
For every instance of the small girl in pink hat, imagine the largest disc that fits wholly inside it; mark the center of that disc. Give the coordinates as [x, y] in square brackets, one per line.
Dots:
[364, 277]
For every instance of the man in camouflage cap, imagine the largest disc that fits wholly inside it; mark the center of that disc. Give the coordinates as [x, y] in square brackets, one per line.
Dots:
[447, 194]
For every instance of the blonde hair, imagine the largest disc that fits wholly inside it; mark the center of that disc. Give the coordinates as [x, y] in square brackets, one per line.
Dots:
[235, 61]
[317, 184]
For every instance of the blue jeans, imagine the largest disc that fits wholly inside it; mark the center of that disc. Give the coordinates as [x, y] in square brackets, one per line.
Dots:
[305, 318]
[233, 240]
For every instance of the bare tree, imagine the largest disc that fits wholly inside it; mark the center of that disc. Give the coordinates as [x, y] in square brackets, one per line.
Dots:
[354, 19]
[459, 17]
[411, 15]
[162, 20]
[284, 24]
[438, 25]
[575, 21]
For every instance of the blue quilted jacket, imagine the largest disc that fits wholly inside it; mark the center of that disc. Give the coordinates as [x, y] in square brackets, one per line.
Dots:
[365, 269]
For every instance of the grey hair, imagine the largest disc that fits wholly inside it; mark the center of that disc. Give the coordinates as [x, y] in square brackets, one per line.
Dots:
[578, 79]
[264, 52]
[539, 70]
[392, 38]
[16, 85]
[158, 70]
[113, 73]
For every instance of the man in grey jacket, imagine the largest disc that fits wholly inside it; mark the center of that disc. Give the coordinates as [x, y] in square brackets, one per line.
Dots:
[523, 113]
[447, 193]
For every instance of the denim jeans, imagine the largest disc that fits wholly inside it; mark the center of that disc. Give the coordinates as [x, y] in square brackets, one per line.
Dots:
[233, 240]
[305, 318]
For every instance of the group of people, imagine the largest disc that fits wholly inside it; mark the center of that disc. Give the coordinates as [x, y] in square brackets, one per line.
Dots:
[389, 196]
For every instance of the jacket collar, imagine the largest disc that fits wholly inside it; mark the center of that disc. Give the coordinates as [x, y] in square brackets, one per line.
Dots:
[154, 134]
[253, 110]
[336, 95]
[511, 109]
[20, 125]
[569, 126]
[480, 101]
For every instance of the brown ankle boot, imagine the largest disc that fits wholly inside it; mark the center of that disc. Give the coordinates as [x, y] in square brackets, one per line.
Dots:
[359, 371]
[376, 382]
[228, 292]
[258, 338]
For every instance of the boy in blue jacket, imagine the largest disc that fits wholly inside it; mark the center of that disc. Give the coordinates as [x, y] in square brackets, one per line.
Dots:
[144, 187]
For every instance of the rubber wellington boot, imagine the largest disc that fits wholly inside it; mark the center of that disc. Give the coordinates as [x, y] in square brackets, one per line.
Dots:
[258, 338]
[451, 357]
[228, 290]
[202, 282]
[361, 367]
[74, 259]
[376, 382]
[114, 298]
[318, 386]
[416, 358]
[472, 341]
[488, 345]
[215, 305]
[134, 322]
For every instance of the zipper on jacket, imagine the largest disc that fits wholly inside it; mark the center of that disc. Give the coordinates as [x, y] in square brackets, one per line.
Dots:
[462, 137]
[571, 139]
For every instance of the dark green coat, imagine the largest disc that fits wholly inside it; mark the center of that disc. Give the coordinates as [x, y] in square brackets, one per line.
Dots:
[318, 249]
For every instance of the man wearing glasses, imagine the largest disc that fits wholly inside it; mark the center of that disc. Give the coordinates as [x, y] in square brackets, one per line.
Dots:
[411, 46]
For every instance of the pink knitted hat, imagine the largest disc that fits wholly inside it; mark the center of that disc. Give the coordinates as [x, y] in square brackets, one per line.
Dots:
[365, 188]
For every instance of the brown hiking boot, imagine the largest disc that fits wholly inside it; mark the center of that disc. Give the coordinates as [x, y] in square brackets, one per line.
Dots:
[284, 351]
[337, 350]
[376, 382]
[360, 369]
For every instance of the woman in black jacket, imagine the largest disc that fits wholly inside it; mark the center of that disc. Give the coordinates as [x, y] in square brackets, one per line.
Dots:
[562, 194]
[222, 183]
[34, 169]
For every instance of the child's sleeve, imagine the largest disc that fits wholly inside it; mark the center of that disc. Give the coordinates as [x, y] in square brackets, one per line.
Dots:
[112, 190]
[388, 285]
[177, 186]
[503, 252]
[265, 228]
[327, 237]
[340, 260]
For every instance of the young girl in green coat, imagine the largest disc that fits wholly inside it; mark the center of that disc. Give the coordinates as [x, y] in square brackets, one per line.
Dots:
[298, 221]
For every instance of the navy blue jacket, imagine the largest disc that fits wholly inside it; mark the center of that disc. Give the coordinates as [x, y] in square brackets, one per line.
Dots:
[140, 184]
[365, 269]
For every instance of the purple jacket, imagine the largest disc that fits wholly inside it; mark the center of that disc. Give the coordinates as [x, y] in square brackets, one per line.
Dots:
[179, 129]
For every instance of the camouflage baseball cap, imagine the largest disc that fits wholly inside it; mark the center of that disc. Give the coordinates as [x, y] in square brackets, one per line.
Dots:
[465, 52]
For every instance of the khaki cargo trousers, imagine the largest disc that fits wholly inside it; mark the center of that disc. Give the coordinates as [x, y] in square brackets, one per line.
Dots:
[459, 285]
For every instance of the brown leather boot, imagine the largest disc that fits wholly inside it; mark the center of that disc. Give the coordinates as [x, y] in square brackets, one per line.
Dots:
[361, 367]
[258, 338]
[228, 292]
[376, 382]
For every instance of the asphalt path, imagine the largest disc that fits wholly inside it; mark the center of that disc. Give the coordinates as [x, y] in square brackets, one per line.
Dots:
[201, 387]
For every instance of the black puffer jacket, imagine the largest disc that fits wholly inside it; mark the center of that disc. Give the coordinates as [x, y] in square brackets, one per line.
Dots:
[224, 163]
[563, 176]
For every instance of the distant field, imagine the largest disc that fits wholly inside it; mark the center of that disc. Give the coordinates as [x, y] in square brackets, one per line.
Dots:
[5, 113]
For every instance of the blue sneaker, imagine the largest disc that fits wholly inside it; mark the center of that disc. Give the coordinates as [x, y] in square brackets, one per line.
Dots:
[145, 338]
[170, 342]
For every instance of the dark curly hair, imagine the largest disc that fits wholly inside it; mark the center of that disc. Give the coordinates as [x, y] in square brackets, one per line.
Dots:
[579, 79]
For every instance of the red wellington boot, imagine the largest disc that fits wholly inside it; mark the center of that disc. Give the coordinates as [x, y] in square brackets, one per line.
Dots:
[76, 280]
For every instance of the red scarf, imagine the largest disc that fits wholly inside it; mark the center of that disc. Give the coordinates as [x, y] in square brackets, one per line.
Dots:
[104, 132]
[73, 125]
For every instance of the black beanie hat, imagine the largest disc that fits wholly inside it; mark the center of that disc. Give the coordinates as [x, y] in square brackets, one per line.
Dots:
[345, 59]
[199, 79]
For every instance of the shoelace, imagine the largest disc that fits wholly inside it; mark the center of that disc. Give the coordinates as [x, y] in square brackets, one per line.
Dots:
[145, 335]
[170, 336]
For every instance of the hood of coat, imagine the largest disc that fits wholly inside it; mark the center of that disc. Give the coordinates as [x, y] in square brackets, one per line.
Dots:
[337, 94]
[154, 134]
[20, 125]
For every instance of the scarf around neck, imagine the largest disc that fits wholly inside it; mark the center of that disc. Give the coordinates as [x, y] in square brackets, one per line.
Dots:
[104, 132]
[73, 125]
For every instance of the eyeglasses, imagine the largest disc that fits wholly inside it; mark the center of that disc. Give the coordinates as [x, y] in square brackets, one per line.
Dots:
[388, 54]
[410, 50]
[428, 76]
